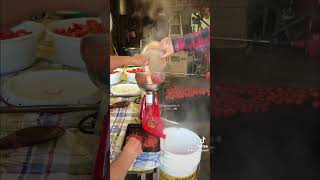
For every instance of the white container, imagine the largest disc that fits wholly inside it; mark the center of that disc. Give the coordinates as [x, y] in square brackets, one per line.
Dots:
[115, 78]
[180, 154]
[131, 76]
[68, 48]
[20, 53]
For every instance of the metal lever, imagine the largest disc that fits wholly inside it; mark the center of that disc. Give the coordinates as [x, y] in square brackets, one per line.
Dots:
[170, 122]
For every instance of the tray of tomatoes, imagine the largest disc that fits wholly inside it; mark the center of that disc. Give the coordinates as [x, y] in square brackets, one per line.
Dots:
[80, 30]
[135, 70]
[14, 34]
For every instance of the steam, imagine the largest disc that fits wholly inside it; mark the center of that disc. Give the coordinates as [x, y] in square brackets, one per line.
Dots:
[155, 11]
[194, 118]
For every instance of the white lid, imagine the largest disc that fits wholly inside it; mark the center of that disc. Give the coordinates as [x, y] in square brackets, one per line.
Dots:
[50, 87]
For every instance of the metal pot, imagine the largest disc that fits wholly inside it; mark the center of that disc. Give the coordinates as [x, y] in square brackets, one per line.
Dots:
[131, 51]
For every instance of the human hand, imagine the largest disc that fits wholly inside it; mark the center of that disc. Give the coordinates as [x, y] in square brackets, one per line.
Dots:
[133, 147]
[140, 60]
[166, 47]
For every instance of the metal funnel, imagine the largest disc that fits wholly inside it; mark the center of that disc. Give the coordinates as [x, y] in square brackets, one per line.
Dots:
[142, 83]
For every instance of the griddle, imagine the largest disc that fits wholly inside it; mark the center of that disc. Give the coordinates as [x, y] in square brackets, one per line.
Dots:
[283, 143]
[192, 109]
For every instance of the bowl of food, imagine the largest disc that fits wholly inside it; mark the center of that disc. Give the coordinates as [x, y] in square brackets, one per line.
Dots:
[67, 34]
[18, 46]
[115, 76]
[131, 73]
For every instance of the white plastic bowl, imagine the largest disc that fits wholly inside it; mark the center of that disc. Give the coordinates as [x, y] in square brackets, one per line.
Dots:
[20, 53]
[131, 76]
[68, 48]
[116, 77]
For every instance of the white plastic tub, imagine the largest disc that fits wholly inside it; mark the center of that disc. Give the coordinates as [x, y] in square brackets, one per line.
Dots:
[131, 76]
[115, 78]
[68, 48]
[180, 154]
[20, 53]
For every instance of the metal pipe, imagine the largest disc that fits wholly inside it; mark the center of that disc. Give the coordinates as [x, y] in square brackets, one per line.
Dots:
[241, 39]
[170, 122]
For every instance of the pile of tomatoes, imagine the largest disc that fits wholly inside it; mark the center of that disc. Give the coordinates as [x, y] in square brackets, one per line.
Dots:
[180, 93]
[154, 78]
[80, 30]
[14, 34]
[114, 72]
[229, 101]
[135, 70]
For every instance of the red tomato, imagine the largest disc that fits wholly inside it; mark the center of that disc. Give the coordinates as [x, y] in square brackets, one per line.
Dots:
[92, 22]
[80, 30]
[11, 34]
[136, 70]
[113, 72]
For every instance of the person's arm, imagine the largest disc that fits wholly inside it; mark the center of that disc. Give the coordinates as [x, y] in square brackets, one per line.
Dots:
[119, 168]
[196, 41]
[96, 55]
[119, 61]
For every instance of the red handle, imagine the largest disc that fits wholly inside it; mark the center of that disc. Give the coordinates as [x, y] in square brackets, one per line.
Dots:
[153, 112]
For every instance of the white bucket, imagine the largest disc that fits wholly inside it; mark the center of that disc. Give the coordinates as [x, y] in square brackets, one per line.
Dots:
[180, 154]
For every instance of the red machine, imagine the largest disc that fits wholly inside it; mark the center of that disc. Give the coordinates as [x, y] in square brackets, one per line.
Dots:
[150, 108]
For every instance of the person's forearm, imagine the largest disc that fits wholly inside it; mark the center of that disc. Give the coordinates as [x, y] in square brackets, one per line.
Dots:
[119, 168]
[16, 11]
[120, 61]
[196, 41]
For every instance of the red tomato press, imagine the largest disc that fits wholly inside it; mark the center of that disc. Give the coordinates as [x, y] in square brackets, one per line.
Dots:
[150, 108]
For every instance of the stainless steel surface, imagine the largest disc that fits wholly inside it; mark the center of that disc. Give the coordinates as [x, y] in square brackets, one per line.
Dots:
[170, 122]
[150, 87]
[169, 107]
[48, 109]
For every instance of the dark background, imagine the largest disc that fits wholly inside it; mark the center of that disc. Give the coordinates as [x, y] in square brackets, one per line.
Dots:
[282, 143]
